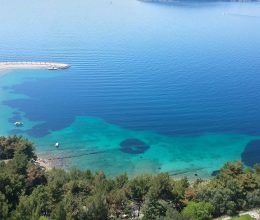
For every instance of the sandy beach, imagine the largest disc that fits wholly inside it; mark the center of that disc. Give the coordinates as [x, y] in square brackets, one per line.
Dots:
[44, 163]
[48, 162]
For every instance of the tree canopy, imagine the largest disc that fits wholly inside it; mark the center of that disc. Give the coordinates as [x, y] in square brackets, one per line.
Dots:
[29, 192]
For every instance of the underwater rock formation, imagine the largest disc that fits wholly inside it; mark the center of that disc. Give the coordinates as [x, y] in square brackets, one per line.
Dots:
[251, 153]
[215, 172]
[133, 146]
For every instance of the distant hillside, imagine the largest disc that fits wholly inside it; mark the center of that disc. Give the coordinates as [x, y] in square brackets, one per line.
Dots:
[197, 1]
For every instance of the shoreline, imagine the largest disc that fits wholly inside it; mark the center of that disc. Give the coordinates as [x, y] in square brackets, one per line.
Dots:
[43, 163]
[49, 163]
[32, 65]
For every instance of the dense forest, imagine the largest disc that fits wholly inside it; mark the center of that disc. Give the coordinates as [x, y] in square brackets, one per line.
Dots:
[29, 192]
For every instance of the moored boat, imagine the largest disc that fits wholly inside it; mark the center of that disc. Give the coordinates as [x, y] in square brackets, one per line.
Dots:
[52, 68]
[18, 124]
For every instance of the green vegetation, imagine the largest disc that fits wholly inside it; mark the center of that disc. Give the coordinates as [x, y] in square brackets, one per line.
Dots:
[28, 192]
[242, 217]
[199, 210]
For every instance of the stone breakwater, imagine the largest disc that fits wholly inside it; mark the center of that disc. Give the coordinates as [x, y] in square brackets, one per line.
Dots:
[32, 65]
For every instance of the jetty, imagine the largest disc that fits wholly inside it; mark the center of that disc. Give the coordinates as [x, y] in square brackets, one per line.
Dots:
[33, 65]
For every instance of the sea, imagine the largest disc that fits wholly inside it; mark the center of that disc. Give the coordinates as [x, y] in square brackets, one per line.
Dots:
[153, 87]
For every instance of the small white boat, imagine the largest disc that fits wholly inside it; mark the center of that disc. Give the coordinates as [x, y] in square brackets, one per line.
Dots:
[52, 68]
[57, 145]
[18, 124]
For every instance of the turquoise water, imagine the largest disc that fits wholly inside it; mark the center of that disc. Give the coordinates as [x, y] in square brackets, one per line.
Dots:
[183, 78]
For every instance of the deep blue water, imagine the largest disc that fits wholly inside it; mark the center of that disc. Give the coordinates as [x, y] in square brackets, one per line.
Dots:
[176, 69]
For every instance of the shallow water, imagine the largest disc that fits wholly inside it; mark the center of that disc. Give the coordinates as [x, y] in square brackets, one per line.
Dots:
[182, 78]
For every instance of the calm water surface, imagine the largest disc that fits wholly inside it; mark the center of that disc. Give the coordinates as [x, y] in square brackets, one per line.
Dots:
[182, 78]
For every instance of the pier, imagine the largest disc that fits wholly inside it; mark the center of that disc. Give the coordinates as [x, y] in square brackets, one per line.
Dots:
[33, 65]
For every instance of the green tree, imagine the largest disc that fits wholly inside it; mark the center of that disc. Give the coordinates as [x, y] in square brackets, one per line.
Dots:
[56, 180]
[173, 214]
[253, 199]
[153, 208]
[257, 168]
[11, 186]
[18, 165]
[10, 145]
[118, 203]
[97, 207]
[33, 206]
[161, 187]
[34, 176]
[220, 198]
[198, 211]
[137, 188]
[232, 169]
[59, 212]
[3, 207]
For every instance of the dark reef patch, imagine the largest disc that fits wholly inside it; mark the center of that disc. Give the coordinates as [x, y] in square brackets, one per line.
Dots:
[133, 146]
[16, 132]
[251, 153]
[215, 173]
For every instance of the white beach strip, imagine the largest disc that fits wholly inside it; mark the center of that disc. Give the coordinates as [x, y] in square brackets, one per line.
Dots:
[32, 65]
